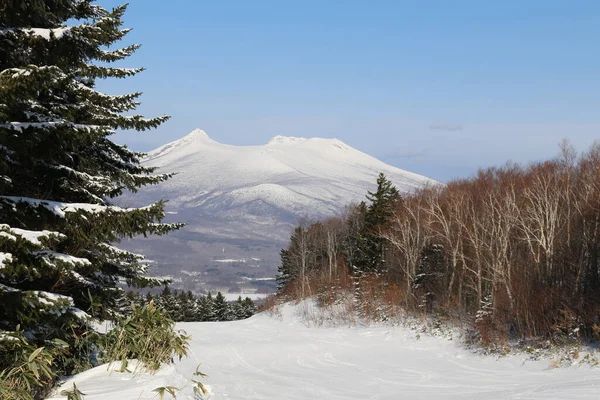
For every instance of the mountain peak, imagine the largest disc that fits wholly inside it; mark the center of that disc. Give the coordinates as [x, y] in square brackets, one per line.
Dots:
[197, 134]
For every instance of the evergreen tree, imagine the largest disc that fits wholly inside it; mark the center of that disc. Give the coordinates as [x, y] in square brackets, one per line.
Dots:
[429, 278]
[189, 307]
[173, 303]
[249, 308]
[284, 271]
[122, 303]
[207, 310]
[237, 309]
[222, 312]
[382, 202]
[200, 316]
[367, 246]
[59, 171]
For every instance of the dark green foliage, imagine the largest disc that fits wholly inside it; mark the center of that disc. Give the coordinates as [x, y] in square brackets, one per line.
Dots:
[367, 245]
[189, 307]
[237, 308]
[248, 308]
[430, 278]
[285, 270]
[59, 171]
[207, 309]
[316, 249]
[222, 312]
[186, 307]
[169, 302]
[383, 202]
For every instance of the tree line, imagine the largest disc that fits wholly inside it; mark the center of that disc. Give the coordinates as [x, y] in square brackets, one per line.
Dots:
[184, 306]
[514, 249]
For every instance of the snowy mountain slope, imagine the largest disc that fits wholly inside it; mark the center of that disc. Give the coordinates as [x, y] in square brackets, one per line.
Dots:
[298, 177]
[229, 194]
[281, 358]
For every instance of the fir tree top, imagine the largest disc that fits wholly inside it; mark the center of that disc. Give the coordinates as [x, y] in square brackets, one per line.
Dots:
[382, 201]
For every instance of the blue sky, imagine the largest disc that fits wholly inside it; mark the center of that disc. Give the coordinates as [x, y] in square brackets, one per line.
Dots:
[440, 88]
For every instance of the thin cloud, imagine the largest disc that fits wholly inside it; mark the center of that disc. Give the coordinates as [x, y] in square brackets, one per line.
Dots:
[447, 127]
[405, 155]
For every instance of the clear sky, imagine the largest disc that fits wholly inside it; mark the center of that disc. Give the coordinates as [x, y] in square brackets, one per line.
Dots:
[435, 87]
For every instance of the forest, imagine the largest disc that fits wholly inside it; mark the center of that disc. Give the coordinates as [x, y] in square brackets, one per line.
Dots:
[182, 306]
[512, 251]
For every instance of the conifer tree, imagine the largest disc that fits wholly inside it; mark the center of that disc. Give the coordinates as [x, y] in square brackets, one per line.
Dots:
[367, 244]
[284, 271]
[59, 171]
[221, 308]
[189, 308]
[249, 308]
[207, 309]
[122, 304]
[169, 302]
[237, 308]
[382, 202]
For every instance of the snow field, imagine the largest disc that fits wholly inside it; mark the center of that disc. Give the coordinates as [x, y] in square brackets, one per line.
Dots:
[277, 356]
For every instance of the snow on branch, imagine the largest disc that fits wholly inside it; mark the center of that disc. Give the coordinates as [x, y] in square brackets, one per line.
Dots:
[51, 302]
[50, 258]
[20, 126]
[120, 253]
[8, 289]
[5, 258]
[47, 34]
[32, 237]
[60, 209]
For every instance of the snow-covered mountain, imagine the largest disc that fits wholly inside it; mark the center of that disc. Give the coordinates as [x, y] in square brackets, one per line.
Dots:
[249, 194]
[283, 180]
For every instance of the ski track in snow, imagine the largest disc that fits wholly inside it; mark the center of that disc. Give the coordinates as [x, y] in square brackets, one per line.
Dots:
[263, 358]
[281, 358]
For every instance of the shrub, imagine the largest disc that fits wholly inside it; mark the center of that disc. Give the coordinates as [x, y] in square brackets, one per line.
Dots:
[147, 335]
[31, 372]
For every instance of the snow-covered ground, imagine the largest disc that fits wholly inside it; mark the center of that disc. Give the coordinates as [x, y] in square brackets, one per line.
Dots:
[279, 357]
[253, 296]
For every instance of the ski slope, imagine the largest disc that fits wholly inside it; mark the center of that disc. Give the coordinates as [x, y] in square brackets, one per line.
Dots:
[268, 357]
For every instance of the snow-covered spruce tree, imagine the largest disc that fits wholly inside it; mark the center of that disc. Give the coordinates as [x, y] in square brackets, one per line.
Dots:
[368, 245]
[284, 271]
[249, 308]
[221, 307]
[59, 171]
[237, 309]
[189, 307]
[207, 308]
